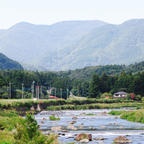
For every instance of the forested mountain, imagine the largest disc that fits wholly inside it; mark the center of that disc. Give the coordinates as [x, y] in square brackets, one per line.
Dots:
[74, 44]
[6, 63]
[41, 45]
[111, 70]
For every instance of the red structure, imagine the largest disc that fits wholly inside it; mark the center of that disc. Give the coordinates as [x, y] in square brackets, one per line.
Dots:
[53, 97]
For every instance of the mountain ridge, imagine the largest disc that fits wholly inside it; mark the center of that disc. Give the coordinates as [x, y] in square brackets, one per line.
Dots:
[74, 44]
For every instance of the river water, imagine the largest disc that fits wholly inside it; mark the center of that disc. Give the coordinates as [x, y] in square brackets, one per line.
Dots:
[96, 122]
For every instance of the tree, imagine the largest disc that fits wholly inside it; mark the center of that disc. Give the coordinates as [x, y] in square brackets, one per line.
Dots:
[94, 90]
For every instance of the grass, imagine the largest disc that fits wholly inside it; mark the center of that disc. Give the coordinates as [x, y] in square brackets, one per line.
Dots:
[94, 106]
[52, 117]
[90, 114]
[28, 102]
[17, 130]
[116, 112]
[74, 104]
[134, 116]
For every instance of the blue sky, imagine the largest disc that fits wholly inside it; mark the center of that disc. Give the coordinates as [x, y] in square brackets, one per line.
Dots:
[51, 11]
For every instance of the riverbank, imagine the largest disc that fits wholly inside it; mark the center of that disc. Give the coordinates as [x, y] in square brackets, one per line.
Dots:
[17, 130]
[25, 105]
[134, 116]
[96, 106]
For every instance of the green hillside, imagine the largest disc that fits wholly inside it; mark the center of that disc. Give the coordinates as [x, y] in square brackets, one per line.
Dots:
[6, 63]
[87, 72]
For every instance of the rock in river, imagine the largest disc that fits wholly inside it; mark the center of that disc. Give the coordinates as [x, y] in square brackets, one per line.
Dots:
[57, 128]
[72, 122]
[71, 127]
[84, 141]
[99, 138]
[121, 140]
[82, 136]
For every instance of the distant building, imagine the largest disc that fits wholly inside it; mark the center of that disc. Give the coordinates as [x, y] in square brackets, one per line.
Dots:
[53, 97]
[120, 95]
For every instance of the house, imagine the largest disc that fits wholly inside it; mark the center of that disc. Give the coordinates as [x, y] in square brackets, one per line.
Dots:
[53, 97]
[120, 95]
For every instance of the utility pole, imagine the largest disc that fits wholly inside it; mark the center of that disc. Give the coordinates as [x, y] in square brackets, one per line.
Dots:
[55, 93]
[33, 89]
[22, 91]
[61, 92]
[41, 91]
[37, 92]
[67, 93]
[10, 90]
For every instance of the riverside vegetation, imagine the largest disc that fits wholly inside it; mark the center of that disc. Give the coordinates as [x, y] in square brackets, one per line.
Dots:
[25, 105]
[17, 130]
[134, 116]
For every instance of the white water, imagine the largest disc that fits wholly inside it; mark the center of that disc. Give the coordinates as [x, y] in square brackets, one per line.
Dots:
[99, 125]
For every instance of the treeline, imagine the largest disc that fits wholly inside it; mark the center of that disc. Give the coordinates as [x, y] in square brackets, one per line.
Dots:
[12, 81]
[87, 72]
[131, 83]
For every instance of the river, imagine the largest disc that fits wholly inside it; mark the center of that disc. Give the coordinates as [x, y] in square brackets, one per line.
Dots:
[96, 122]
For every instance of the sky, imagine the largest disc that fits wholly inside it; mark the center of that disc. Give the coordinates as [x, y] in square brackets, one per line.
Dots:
[52, 11]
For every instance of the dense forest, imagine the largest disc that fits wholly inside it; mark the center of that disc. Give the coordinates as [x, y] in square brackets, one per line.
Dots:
[87, 72]
[15, 82]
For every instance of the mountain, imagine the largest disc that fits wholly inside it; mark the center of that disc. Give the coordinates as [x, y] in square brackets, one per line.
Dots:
[74, 44]
[87, 72]
[6, 63]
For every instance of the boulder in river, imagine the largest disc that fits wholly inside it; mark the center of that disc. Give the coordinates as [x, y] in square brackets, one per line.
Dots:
[71, 127]
[72, 122]
[99, 138]
[121, 140]
[82, 136]
[44, 119]
[57, 128]
[84, 141]
[74, 117]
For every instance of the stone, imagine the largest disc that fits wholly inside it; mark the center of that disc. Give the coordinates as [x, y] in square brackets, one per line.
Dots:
[58, 128]
[122, 140]
[99, 138]
[75, 118]
[83, 136]
[72, 122]
[44, 119]
[84, 141]
[71, 127]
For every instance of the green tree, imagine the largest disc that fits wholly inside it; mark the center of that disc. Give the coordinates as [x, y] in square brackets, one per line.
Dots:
[95, 86]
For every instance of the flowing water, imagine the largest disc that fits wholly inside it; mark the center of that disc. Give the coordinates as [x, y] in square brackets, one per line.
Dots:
[96, 122]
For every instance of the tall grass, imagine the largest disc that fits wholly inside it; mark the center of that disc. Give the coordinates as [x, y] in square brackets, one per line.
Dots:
[134, 116]
[17, 130]
[94, 106]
